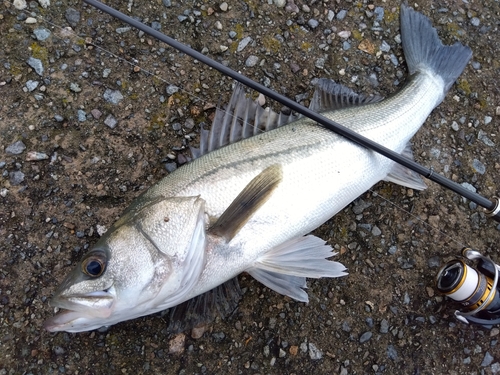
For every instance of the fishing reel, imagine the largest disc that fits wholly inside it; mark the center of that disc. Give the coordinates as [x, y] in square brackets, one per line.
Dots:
[475, 288]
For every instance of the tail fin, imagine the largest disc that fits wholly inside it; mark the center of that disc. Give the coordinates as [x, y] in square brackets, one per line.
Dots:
[424, 50]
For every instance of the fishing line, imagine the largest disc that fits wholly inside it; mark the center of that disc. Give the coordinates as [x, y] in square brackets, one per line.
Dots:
[69, 32]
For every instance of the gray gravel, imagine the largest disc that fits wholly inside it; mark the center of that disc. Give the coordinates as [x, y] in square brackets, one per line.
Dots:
[83, 133]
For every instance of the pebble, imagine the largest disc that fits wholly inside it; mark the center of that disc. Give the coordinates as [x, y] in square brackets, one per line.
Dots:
[72, 16]
[487, 360]
[243, 43]
[41, 34]
[30, 20]
[379, 12]
[314, 352]
[96, 113]
[291, 7]
[487, 119]
[16, 148]
[434, 262]
[455, 126]
[320, 63]
[176, 345]
[384, 326]
[75, 87]
[252, 60]
[16, 178]
[392, 353]
[280, 3]
[155, 25]
[475, 21]
[171, 90]
[478, 166]
[341, 15]
[36, 156]
[111, 122]
[385, 47]
[365, 337]
[224, 7]
[82, 116]
[123, 30]
[481, 135]
[182, 18]
[20, 4]
[346, 45]
[313, 23]
[113, 96]
[31, 85]
[167, 3]
[58, 118]
[36, 64]
[44, 3]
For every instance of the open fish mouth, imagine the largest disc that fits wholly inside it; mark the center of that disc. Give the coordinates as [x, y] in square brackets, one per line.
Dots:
[79, 310]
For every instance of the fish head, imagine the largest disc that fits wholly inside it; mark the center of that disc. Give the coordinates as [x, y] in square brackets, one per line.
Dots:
[148, 261]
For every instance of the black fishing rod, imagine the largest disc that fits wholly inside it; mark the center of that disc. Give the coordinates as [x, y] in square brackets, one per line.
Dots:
[492, 207]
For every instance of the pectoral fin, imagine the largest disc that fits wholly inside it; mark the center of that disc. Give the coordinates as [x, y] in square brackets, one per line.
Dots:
[285, 267]
[251, 198]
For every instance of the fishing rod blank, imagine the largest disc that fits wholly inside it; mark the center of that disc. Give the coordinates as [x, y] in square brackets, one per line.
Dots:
[492, 208]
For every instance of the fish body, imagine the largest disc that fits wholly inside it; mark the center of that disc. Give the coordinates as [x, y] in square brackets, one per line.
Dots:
[248, 206]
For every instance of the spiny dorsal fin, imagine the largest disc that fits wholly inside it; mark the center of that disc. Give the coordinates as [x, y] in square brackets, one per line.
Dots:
[242, 118]
[251, 198]
[330, 96]
[204, 308]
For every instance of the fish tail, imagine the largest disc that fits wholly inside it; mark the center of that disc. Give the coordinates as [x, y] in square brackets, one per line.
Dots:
[424, 50]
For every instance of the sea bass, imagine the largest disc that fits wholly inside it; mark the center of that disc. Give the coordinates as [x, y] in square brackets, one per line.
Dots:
[247, 202]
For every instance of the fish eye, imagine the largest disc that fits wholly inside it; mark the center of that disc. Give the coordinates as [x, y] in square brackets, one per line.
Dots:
[94, 265]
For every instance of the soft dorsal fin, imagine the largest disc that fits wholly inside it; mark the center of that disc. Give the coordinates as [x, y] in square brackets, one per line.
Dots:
[204, 308]
[251, 198]
[242, 118]
[330, 96]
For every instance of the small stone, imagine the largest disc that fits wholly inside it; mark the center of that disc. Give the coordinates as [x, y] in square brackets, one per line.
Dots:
[313, 23]
[96, 113]
[182, 18]
[72, 16]
[487, 360]
[36, 156]
[20, 4]
[58, 350]
[251, 61]
[82, 116]
[58, 118]
[367, 46]
[106, 72]
[122, 30]
[16, 148]
[385, 47]
[475, 21]
[365, 337]
[155, 25]
[113, 96]
[487, 120]
[224, 7]
[455, 126]
[170, 167]
[176, 345]
[30, 20]
[344, 34]
[41, 33]
[376, 231]
[36, 64]
[384, 326]
[16, 178]
[279, 3]
[331, 15]
[75, 87]
[478, 166]
[341, 15]
[197, 332]
[392, 353]
[434, 262]
[314, 352]
[320, 63]
[171, 90]
[167, 3]
[243, 43]
[110, 122]
[44, 3]
[31, 85]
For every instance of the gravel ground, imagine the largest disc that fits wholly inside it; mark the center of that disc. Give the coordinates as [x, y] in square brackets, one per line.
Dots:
[83, 133]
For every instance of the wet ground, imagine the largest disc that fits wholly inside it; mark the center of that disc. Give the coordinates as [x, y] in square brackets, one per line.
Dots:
[82, 138]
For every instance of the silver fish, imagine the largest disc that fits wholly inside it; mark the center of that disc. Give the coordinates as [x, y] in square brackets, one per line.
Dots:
[249, 206]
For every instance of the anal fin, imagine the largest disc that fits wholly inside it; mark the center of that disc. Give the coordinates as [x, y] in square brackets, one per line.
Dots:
[406, 177]
[285, 267]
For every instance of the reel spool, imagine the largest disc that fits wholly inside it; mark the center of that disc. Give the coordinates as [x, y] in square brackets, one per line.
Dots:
[475, 288]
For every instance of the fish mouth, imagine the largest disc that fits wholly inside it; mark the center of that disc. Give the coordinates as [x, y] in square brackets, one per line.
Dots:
[80, 311]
